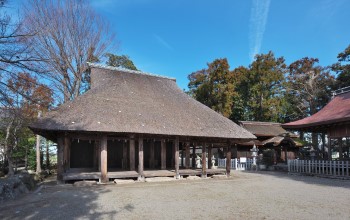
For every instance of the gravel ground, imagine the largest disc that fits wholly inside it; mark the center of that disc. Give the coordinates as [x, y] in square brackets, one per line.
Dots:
[264, 195]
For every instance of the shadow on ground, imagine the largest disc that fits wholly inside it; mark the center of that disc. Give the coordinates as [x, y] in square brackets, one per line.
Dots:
[315, 180]
[62, 202]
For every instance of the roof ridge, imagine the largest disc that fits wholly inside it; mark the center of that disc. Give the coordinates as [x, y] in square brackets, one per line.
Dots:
[101, 66]
[260, 122]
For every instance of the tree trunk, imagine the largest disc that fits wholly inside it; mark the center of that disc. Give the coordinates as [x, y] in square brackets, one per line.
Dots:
[26, 159]
[38, 164]
[8, 149]
[47, 155]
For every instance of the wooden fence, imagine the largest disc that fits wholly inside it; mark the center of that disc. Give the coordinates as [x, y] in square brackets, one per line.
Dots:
[236, 164]
[336, 168]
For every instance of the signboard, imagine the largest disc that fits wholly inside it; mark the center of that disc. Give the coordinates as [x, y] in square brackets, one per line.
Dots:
[243, 160]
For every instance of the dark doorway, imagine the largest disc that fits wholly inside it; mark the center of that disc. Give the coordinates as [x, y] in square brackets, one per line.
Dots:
[115, 154]
[82, 154]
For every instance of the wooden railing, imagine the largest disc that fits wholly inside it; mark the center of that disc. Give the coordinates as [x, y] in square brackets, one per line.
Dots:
[338, 168]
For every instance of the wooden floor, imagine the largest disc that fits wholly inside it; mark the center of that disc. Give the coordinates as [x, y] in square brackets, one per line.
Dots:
[93, 175]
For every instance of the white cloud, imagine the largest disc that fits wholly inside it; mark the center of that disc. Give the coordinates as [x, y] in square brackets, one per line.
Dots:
[163, 42]
[258, 20]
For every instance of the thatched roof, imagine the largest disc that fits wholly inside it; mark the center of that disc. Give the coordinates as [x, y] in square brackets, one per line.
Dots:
[264, 129]
[122, 101]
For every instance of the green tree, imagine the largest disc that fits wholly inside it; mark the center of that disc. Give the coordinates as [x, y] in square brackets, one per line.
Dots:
[260, 87]
[342, 68]
[120, 61]
[214, 86]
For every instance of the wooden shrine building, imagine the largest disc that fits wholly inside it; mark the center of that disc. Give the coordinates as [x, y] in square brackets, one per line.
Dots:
[271, 136]
[334, 121]
[132, 124]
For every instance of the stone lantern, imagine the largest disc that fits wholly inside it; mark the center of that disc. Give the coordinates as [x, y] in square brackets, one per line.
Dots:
[254, 151]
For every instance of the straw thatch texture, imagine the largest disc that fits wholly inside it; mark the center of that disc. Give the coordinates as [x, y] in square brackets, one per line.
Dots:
[265, 129]
[130, 102]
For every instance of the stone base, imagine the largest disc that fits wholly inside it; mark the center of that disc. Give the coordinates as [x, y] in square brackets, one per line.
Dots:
[193, 178]
[123, 181]
[160, 179]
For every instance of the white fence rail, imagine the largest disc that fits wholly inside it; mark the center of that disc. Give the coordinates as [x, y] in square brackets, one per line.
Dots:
[236, 164]
[320, 167]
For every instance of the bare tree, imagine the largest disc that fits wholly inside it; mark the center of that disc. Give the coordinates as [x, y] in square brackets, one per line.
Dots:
[68, 35]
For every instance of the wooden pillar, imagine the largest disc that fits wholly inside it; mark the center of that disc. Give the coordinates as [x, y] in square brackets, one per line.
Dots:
[151, 152]
[125, 155]
[210, 155]
[60, 169]
[66, 151]
[132, 152]
[163, 154]
[329, 149]
[176, 157]
[340, 143]
[286, 155]
[228, 160]
[194, 156]
[140, 170]
[187, 149]
[204, 160]
[103, 143]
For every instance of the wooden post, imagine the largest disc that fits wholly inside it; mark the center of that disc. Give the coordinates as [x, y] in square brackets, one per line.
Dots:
[228, 160]
[194, 156]
[60, 170]
[103, 143]
[151, 152]
[329, 149]
[66, 159]
[285, 155]
[210, 155]
[176, 157]
[163, 154]
[340, 143]
[132, 152]
[141, 175]
[204, 160]
[187, 149]
[125, 156]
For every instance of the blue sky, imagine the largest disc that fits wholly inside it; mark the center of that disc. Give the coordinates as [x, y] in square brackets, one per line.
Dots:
[175, 38]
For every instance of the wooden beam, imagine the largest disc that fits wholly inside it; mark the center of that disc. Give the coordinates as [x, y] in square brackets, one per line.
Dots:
[140, 170]
[176, 157]
[151, 157]
[187, 149]
[163, 154]
[104, 177]
[210, 155]
[228, 161]
[60, 169]
[194, 156]
[132, 153]
[204, 160]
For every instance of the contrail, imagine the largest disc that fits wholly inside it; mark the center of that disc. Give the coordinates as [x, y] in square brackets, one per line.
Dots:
[163, 42]
[258, 19]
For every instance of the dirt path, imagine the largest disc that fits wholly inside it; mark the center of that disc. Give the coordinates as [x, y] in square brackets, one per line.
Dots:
[266, 195]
